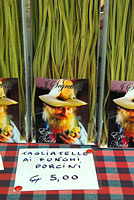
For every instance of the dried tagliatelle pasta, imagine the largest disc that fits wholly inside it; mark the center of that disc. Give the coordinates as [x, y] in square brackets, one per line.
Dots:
[64, 45]
[12, 71]
[119, 52]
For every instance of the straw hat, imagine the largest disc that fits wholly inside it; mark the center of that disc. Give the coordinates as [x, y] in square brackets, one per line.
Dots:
[3, 99]
[127, 101]
[62, 94]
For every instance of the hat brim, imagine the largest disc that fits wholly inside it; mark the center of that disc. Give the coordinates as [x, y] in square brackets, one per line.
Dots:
[53, 101]
[124, 102]
[7, 102]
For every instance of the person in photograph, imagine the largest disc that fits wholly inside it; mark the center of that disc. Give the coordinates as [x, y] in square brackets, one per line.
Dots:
[8, 131]
[59, 115]
[122, 127]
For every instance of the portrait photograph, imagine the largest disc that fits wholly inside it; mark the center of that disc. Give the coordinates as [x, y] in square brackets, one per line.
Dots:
[9, 110]
[121, 114]
[61, 110]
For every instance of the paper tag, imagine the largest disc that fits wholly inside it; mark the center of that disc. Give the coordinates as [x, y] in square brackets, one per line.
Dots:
[55, 169]
[1, 164]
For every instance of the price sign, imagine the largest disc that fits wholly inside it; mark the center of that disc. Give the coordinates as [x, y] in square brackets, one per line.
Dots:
[55, 169]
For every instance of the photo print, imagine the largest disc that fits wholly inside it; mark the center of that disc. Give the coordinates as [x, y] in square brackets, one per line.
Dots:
[61, 109]
[121, 114]
[9, 109]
